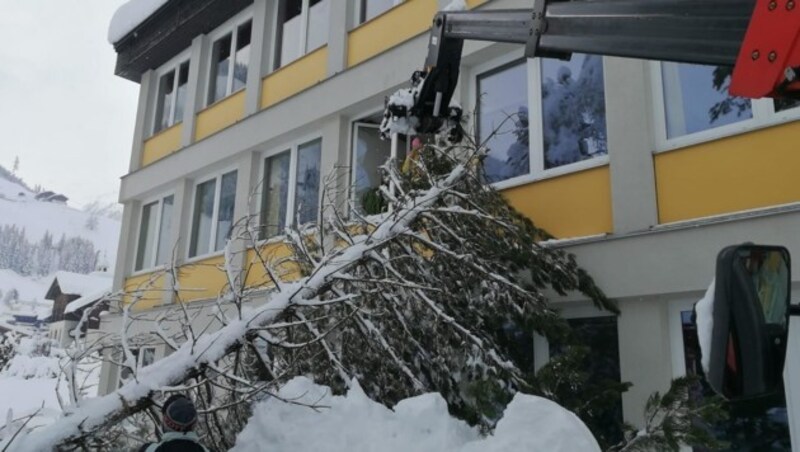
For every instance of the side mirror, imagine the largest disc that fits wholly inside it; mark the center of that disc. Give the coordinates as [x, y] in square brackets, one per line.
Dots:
[746, 345]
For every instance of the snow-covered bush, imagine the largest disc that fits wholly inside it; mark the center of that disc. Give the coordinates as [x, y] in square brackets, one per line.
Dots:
[33, 357]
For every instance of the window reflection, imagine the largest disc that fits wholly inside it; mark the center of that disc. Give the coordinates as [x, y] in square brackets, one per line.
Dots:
[220, 67]
[573, 110]
[276, 194]
[696, 99]
[308, 179]
[164, 252]
[242, 59]
[147, 231]
[227, 198]
[503, 121]
[370, 154]
[202, 220]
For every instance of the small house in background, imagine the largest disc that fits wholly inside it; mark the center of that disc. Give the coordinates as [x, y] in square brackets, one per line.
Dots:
[49, 196]
[74, 294]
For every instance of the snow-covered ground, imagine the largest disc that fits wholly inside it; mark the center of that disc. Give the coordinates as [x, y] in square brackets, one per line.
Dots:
[354, 423]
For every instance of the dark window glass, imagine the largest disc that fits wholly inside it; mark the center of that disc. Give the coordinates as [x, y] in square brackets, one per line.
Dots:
[180, 95]
[242, 60]
[599, 334]
[373, 8]
[220, 68]
[785, 104]
[276, 194]
[307, 188]
[227, 198]
[147, 234]
[573, 110]
[166, 86]
[202, 219]
[503, 121]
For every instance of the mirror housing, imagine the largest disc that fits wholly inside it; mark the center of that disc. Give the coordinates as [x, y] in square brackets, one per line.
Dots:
[750, 322]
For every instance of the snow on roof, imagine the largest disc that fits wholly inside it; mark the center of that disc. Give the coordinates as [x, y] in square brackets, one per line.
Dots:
[131, 15]
[78, 284]
[86, 300]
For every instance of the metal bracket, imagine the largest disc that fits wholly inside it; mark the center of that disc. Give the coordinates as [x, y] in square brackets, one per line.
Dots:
[538, 27]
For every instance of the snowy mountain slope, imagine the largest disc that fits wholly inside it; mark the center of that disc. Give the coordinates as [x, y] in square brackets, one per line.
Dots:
[39, 217]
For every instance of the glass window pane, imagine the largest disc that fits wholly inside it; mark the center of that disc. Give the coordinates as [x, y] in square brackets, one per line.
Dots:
[503, 121]
[696, 99]
[370, 153]
[201, 221]
[373, 8]
[290, 31]
[573, 110]
[144, 254]
[180, 95]
[276, 194]
[164, 252]
[318, 18]
[785, 104]
[308, 175]
[220, 66]
[148, 356]
[164, 105]
[242, 60]
[227, 199]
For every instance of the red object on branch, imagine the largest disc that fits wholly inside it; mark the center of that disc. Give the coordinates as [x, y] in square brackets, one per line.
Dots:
[768, 64]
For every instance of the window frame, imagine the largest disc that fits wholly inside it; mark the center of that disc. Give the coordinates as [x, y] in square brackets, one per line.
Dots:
[536, 171]
[173, 64]
[159, 199]
[231, 26]
[292, 148]
[361, 11]
[139, 361]
[763, 111]
[277, 35]
[217, 177]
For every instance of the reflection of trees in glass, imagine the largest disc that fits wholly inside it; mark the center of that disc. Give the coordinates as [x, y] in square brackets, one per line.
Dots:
[573, 110]
[517, 161]
[721, 81]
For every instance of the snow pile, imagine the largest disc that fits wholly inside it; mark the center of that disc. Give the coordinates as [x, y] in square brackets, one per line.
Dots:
[130, 15]
[704, 311]
[34, 358]
[357, 424]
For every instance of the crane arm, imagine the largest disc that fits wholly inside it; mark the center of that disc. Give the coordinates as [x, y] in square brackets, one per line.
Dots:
[759, 38]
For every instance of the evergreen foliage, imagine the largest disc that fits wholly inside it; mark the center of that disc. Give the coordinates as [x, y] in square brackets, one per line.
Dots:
[74, 254]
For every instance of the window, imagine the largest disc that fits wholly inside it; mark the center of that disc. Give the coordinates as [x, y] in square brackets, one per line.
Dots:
[302, 28]
[370, 153]
[229, 74]
[570, 129]
[155, 228]
[374, 8]
[144, 357]
[288, 191]
[212, 220]
[693, 105]
[171, 98]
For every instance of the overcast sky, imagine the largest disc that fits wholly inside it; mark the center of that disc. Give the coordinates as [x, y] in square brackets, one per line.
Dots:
[62, 110]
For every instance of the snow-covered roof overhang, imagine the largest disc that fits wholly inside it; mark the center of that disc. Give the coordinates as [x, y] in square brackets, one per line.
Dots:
[148, 33]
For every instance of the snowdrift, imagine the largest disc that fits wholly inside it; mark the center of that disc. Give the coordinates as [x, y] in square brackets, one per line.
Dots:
[354, 423]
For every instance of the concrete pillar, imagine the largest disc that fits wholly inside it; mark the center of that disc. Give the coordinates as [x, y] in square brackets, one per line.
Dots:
[341, 21]
[198, 74]
[181, 228]
[259, 52]
[144, 116]
[630, 144]
[126, 249]
[246, 207]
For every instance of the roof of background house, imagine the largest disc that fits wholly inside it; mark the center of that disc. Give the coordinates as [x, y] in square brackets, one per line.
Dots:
[79, 284]
[87, 300]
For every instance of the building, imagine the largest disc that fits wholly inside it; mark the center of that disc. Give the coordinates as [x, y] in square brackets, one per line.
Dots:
[73, 294]
[644, 170]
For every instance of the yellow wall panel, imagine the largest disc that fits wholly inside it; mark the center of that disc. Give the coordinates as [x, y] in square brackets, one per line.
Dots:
[162, 144]
[295, 77]
[146, 291]
[473, 3]
[202, 280]
[748, 171]
[272, 253]
[399, 24]
[573, 205]
[222, 114]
